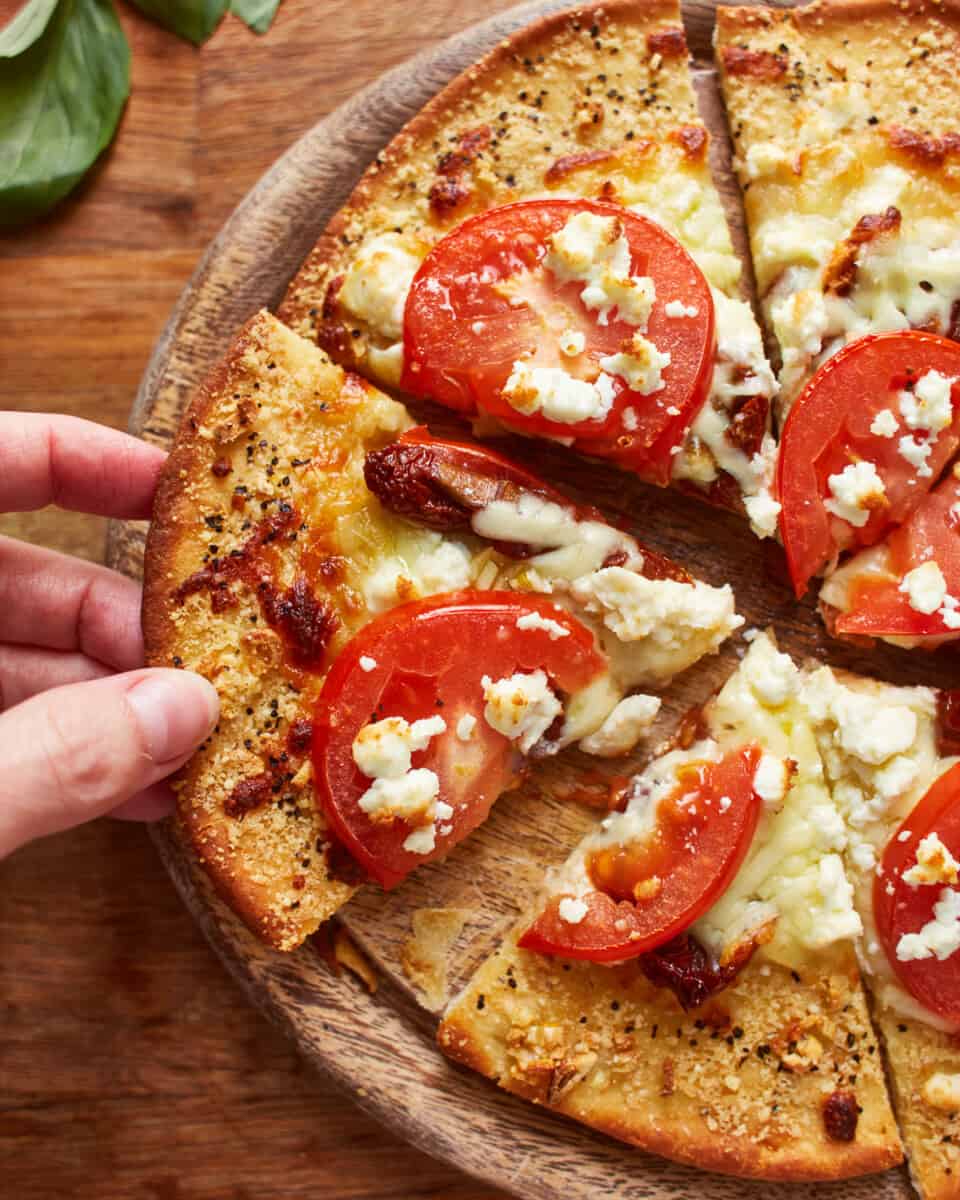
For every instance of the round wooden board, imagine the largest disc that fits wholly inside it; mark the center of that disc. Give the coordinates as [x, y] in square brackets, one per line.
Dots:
[380, 1047]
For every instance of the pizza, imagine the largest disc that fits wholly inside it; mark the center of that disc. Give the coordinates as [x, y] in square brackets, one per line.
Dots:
[844, 122]
[692, 979]
[748, 963]
[394, 622]
[575, 147]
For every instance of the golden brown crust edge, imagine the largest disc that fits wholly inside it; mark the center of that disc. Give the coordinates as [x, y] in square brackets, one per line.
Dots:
[723, 1088]
[271, 863]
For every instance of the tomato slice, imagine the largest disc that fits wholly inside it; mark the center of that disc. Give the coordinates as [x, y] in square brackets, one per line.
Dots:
[878, 607]
[901, 909]
[833, 424]
[422, 660]
[694, 850]
[483, 300]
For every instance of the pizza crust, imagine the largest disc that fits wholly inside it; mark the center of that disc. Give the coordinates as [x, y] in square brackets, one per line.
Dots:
[563, 88]
[736, 1086]
[274, 401]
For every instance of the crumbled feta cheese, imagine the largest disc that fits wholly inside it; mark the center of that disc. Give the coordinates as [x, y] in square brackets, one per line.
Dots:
[765, 158]
[623, 728]
[593, 250]
[522, 707]
[773, 677]
[634, 607]
[442, 566]
[856, 491]
[422, 840]
[572, 910]
[837, 920]
[572, 342]
[677, 308]
[557, 395]
[382, 749]
[465, 727]
[925, 586]
[916, 453]
[763, 512]
[896, 776]
[942, 1091]
[935, 864]
[533, 620]
[367, 663]
[376, 284]
[771, 779]
[929, 406]
[884, 424]
[939, 937]
[630, 420]
[640, 363]
[411, 796]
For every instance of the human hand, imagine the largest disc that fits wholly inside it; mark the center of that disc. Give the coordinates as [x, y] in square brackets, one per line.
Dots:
[78, 740]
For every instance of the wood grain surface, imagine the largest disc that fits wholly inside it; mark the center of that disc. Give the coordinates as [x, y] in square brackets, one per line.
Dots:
[132, 1067]
[381, 1047]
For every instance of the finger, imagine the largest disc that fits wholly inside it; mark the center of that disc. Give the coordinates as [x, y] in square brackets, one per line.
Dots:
[81, 751]
[75, 464]
[63, 603]
[152, 804]
[27, 670]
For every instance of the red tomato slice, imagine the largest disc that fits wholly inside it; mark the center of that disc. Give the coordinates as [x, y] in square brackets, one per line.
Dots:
[429, 658]
[877, 607]
[829, 427]
[462, 334]
[905, 909]
[694, 850]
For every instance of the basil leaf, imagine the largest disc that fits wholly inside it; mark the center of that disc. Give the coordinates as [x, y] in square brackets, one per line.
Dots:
[194, 20]
[63, 85]
[26, 27]
[258, 14]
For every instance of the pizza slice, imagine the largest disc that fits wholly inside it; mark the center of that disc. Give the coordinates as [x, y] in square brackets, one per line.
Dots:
[890, 756]
[844, 120]
[687, 981]
[396, 625]
[543, 248]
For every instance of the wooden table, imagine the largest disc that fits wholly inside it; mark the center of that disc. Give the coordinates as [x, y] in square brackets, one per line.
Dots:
[130, 1064]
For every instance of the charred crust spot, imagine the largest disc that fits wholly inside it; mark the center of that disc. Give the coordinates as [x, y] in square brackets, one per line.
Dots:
[841, 271]
[446, 195]
[667, 1077]
[753, 64]
[748, 424]
[925, 148]
[668, 43]
[221, 468]
[248, 795]
[342, 866]
[305, 622]
[299, 736]
[329, 308]
[569, 163]
[840, 1115]
[683, 966]
[692, 139]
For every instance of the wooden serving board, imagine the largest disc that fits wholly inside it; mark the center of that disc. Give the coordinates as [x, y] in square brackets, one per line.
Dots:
[381, 1047]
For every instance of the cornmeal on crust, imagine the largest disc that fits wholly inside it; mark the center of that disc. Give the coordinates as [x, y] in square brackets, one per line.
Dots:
[846, 127]
[737, 1086]
[277, 434]
[596, 102]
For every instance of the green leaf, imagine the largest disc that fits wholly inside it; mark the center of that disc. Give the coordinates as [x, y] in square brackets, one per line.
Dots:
[64, 82]
[26, 27]
[191, 19]
[258, 14]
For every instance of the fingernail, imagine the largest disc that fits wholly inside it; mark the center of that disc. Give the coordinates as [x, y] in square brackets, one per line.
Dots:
[175, 711]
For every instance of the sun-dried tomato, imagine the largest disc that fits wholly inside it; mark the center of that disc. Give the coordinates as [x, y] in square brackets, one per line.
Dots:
[685, 967]
[840, 1115]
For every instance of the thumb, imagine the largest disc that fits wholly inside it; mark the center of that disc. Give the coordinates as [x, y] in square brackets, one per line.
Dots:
[76, 752]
